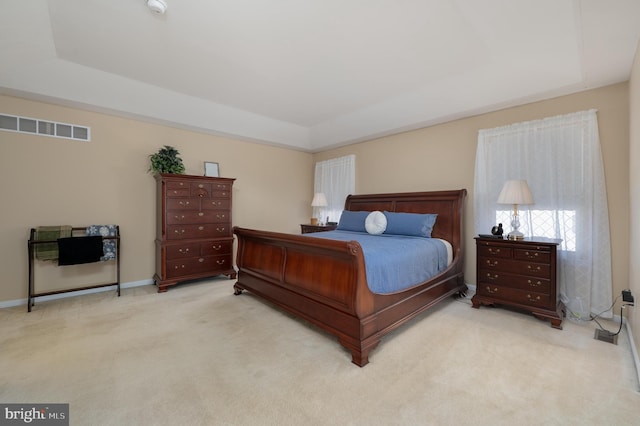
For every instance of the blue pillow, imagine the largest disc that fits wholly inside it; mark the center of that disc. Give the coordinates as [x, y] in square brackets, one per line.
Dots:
[353, 221]
[412, 224]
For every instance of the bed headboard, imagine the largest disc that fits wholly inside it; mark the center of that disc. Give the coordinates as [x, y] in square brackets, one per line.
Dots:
[447, 204]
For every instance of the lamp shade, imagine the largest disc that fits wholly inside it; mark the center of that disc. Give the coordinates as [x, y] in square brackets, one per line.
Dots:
[515, 192]
[319, 200]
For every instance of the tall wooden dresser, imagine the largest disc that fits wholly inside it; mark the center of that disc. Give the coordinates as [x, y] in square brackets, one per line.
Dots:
[521, 274]
[194, 238]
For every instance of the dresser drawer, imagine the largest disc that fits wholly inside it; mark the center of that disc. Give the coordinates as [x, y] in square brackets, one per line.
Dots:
[207, 230]
[198, 265]
[183, 203]
[186, 217]
[535, 255]
[177, 188]
[511, 295]
[505, 279]
[198, 188]
[181, 251]
[221, 187]
[216, 247]
[515, 266]
[216, 204]
[492, 251]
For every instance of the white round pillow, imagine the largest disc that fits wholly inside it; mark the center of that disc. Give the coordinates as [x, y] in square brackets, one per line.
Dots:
[375, 223]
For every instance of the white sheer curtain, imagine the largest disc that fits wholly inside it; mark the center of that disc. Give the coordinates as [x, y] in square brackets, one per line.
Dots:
[561, 160]
[336, 178]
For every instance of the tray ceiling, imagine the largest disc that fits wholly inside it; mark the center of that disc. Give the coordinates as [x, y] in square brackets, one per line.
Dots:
[312, 74]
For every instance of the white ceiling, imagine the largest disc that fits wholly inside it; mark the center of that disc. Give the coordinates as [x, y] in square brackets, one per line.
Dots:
[311, 74]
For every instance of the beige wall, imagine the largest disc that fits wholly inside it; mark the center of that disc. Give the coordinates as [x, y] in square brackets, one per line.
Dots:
[50, 181]
[634, 165]
[55, 181]
[443, 157]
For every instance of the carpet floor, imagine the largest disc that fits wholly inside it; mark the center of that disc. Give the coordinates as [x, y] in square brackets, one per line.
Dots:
[198, 355]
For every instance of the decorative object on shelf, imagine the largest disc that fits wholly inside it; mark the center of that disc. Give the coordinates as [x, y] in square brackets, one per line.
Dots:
[515, 192]
[496, 233]
[319, 200]
[166, 160]
[211, 169]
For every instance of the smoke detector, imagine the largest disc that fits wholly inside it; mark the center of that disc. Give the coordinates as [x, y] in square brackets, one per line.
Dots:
[157, 6]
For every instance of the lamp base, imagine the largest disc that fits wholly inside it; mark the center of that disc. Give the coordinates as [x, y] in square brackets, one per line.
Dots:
[515, 235]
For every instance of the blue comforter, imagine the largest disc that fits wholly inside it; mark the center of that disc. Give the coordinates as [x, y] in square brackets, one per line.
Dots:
[395, 262]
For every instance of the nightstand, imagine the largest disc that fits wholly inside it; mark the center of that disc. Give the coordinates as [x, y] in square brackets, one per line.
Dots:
[521, 274]
[307, 229]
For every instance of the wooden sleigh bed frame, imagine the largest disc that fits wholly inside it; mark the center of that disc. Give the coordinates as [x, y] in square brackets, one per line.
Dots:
[323, 281]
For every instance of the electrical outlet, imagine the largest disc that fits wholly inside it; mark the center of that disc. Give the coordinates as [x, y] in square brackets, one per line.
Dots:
[627, 297]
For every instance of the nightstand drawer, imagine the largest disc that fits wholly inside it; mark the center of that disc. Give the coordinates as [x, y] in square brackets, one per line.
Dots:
[511, 296]
[492, 251]
[515, 266]
[537, 255]
[505, 279]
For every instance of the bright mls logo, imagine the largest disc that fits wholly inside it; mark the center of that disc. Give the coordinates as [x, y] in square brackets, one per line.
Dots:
[37, 414]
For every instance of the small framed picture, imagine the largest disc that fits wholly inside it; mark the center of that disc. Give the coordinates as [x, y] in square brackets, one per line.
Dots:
[211, 169]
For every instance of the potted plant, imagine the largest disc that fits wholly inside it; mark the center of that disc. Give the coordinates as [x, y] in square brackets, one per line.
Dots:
[166, 160]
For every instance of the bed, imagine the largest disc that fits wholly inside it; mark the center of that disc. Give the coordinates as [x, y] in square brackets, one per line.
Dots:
[323, 281]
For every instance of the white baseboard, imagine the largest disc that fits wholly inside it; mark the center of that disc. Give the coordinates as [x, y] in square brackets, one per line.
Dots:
[634, 352]
[20, 302]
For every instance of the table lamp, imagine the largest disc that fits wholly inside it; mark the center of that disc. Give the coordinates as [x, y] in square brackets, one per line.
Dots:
[515, 192]
[319, 200]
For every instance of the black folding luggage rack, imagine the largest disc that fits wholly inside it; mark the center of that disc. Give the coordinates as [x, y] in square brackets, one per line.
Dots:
[78, 231]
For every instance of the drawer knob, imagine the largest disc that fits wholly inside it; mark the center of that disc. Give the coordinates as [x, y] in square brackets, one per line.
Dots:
[494, 251]
[492, 263]
[532, 255]
[201, 186]
[220, 229]
[200, 214]
[533, 299]
[220, 262]
[220, 216]
[179, 266]
[218, 247]
[495, 290]
[200, 228]
[536, 284]
[201, 260]
[184, 251]
[492, 276]
[179, 231]
[179, 217]
[531, 268]
[184, 203]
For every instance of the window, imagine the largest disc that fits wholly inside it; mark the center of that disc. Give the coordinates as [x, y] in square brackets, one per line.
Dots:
[546, 224]
[560, 159]
[336, 178]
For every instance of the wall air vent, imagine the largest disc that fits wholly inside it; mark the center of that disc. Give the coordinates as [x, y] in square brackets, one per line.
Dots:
[13, 123]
